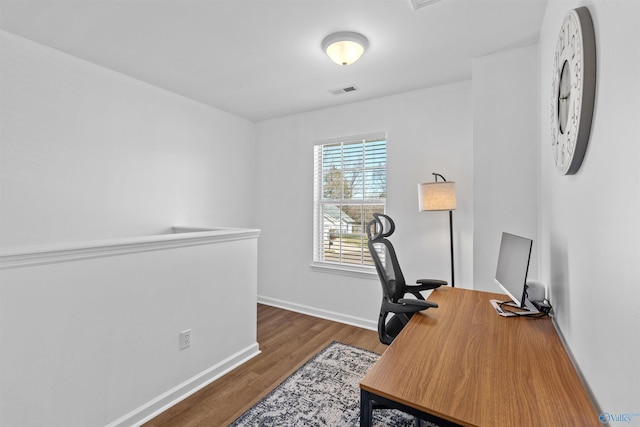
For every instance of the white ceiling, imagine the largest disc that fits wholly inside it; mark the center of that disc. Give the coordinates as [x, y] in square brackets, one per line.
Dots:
[261, 59]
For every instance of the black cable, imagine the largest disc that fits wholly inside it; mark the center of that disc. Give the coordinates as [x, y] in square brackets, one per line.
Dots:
[537, 316]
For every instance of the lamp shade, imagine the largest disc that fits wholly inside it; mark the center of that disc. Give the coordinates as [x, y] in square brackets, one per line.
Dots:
[345, 48]
[437, 196]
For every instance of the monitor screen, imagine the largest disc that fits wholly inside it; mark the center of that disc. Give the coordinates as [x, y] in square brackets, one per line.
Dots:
[513, 265]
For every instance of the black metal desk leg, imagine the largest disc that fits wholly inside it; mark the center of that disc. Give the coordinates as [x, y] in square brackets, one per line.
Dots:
[366, 409]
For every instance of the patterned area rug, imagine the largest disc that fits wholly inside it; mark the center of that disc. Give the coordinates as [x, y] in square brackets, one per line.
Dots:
[323, 392]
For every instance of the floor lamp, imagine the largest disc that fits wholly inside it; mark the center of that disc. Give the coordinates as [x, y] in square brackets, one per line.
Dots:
[439, 196]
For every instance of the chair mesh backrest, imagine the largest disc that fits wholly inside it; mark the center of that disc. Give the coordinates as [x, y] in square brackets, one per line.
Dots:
[384, 256]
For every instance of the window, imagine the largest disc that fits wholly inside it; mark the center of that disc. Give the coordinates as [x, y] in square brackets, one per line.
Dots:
[350, 178]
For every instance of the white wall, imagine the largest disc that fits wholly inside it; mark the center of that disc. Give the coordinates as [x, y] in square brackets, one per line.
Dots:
[88, 153]
[505, 157]
[590, 223]
[428, 131]
[92, 338]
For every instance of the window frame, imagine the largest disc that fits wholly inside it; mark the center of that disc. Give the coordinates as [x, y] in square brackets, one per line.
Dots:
[319, 264]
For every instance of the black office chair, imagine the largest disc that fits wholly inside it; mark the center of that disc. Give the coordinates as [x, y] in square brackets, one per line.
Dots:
[394, 288]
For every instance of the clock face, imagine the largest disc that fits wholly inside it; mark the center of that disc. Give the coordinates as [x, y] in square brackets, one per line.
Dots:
[573, 91]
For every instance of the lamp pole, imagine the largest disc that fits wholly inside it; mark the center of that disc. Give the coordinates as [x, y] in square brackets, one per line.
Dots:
[453, 280]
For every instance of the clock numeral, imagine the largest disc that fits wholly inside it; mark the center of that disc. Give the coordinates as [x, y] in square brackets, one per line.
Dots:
[572, 50]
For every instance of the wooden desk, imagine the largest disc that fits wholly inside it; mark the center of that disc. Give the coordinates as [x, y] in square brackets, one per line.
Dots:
[462, 364]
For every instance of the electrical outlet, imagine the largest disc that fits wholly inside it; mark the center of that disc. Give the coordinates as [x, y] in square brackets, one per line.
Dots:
[185, 339]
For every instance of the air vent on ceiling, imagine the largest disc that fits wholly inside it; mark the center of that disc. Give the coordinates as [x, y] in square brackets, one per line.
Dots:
[342, 90]
[417, 4]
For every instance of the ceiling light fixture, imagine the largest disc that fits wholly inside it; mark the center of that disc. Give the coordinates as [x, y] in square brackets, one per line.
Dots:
[345, 48]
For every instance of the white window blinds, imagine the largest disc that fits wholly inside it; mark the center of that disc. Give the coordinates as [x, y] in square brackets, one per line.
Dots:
[350, 185]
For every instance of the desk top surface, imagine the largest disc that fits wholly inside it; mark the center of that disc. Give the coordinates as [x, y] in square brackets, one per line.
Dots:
[465, 363]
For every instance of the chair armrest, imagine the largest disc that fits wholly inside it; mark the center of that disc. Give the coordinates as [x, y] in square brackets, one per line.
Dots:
[424, 285]
[428, 284]
[406, 305]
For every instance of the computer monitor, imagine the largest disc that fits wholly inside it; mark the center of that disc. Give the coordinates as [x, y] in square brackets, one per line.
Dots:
[511, 275]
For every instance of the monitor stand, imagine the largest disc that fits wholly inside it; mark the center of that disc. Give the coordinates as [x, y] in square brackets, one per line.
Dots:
[510, 308]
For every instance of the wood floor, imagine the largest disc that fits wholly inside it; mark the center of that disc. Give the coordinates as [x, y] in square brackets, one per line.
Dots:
[287, 340]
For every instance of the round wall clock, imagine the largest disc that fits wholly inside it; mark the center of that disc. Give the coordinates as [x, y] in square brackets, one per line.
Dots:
[573, 90]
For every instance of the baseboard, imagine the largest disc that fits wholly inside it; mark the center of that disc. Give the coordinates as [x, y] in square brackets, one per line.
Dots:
[166, 400]
[574, 362]
[317, 312]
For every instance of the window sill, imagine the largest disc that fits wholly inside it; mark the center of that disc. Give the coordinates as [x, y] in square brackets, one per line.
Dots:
[355, 271]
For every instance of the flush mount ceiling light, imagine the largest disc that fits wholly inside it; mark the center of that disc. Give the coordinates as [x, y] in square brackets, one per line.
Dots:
[345, 48]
